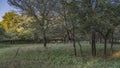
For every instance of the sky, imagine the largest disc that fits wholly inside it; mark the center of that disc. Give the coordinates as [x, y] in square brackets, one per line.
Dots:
[4, 7]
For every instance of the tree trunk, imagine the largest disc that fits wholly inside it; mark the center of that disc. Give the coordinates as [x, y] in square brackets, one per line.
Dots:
[100, 38]
[44, 39]
[93, 44]
[64, 39]
[105, 46]
[74, 42]
[74, 45]
[80, 48]
[111, 49]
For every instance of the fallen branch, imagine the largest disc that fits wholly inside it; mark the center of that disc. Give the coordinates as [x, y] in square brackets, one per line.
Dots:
[17, 52]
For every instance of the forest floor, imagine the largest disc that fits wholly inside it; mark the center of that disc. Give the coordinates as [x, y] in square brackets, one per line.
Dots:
[57, 55]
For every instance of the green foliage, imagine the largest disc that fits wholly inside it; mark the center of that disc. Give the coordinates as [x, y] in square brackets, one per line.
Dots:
[12, 35]
[2, 33]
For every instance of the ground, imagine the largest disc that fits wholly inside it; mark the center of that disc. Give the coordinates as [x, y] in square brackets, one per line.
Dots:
[56, 55]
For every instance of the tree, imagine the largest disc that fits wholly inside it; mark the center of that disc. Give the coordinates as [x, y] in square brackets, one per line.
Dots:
[25, 29]
[10, 24]
[99, 17]
[107, 22]
[89, 7]
[17, 26]
[10, 21]
[39, 9]
[68, 10]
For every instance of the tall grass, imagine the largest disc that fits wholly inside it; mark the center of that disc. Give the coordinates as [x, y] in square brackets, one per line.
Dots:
[55, 56]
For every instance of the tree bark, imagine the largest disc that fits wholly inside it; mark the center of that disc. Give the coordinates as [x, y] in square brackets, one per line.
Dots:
[80, 48]
[105, 47]
[74, 41]
[111, 49]
[64, 39]
[44, 39]
[100, 39]
[74, 45]
[93, 44]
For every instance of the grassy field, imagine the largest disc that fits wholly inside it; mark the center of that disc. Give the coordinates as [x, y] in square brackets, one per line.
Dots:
[56, 55]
